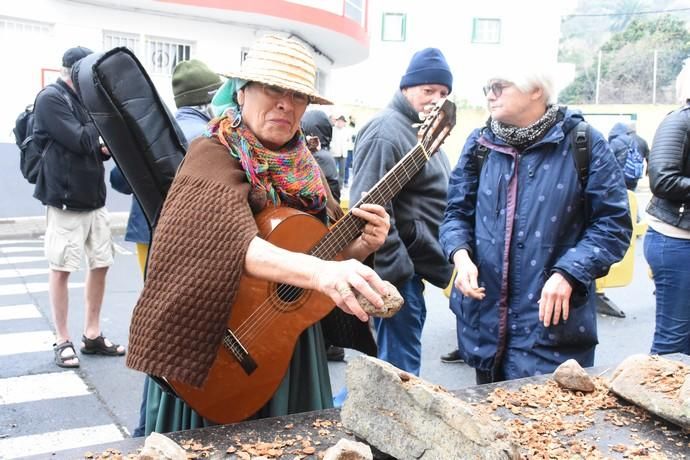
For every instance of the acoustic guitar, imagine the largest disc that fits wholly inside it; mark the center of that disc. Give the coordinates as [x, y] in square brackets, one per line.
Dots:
[267, 318]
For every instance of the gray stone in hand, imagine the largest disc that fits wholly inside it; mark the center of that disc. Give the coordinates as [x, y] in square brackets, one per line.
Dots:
[392, 302]
[572, 376]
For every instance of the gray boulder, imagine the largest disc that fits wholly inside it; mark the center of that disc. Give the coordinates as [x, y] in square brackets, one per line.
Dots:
[408, 418]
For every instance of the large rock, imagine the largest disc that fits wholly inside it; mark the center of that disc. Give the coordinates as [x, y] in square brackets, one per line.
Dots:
[408, 418]
[161, 447]
[349, 450]
[657, 384]
[572, 376]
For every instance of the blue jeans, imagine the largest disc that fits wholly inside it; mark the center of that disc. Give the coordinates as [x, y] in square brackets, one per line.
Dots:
[140, 429]
[399, 338]
[340, 163]
[348, 165]
[668, 259]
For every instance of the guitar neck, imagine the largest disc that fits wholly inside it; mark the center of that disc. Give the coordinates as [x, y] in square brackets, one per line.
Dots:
[350, 227]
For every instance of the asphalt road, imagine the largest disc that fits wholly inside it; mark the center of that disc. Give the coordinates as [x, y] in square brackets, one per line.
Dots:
[43, 407]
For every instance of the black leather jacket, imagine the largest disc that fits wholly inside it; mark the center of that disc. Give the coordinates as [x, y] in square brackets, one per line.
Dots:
[669, 170]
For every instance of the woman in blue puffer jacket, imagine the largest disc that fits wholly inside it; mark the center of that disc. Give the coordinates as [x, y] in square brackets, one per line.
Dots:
[529, 236]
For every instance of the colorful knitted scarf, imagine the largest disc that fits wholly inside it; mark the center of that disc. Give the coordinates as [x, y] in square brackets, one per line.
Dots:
[290, 176]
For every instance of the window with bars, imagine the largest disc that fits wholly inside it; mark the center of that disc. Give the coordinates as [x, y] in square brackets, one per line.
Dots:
[393, 27]
[354, 9]
[486, 30]
[161, 55]
[115, 39]
[13, 27]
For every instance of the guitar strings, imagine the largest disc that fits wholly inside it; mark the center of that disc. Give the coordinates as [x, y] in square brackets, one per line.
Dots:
[266, 311]
[254, 327]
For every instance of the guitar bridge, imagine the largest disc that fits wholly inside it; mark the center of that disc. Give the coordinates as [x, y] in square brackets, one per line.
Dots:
[235, 347]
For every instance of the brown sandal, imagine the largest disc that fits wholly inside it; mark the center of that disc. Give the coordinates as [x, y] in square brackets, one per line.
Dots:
[97, 346]
[62, 360]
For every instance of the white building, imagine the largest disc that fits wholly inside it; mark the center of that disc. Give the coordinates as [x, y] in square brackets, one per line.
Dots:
[35, 33]
[362, 47]
[473, 36]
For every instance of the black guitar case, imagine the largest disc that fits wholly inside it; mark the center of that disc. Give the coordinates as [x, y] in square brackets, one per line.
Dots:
[135, 124]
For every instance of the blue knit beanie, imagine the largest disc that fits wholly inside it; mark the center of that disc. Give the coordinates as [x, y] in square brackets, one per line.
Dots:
[427, 67]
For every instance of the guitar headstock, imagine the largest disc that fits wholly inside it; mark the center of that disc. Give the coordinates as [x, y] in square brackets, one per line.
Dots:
[437, 125]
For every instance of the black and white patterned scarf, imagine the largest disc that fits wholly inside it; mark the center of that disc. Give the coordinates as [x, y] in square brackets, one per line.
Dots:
[524, 137]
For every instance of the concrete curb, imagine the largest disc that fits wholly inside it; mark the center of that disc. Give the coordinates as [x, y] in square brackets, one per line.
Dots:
[35, 226]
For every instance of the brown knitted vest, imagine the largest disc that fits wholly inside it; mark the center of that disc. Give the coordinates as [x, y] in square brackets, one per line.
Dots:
[194, 268]
[195, 264]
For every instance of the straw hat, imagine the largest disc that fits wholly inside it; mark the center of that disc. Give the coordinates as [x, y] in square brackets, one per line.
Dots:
[282, 62]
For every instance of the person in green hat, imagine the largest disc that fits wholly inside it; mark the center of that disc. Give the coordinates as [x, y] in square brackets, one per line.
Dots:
[194, 85]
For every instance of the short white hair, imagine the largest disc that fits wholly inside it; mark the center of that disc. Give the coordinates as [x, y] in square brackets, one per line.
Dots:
[528, 76]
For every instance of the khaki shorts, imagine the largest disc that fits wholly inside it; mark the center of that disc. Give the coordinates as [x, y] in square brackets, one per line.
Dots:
[70, 234]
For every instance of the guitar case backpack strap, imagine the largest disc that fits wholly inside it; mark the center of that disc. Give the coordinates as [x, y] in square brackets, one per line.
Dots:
[135, 124]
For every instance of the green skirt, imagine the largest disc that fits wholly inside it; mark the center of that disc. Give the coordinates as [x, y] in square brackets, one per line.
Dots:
[305, 387]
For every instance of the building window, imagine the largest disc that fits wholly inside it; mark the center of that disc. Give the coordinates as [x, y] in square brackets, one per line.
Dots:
[354, 9]
[393, 27]
[320, 81]
[486, 30]
[13, 28]
[161, 55]
[116, 39]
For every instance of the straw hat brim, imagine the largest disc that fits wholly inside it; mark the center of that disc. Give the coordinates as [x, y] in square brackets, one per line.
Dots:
[281, 83]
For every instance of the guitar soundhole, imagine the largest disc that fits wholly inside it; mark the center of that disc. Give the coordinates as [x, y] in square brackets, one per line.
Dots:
[287, 293]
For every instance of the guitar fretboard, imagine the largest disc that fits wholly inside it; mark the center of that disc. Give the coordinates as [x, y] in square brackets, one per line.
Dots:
[349, 227]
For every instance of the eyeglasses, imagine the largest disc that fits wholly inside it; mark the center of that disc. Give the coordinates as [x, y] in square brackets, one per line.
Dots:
[496, 88]
[276, 92]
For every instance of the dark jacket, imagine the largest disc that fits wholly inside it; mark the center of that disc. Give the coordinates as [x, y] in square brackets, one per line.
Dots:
[521, 219]
[642, 145]
[412, 246]
[316, 123]
[138, 230]
[192, 121]
[620, 141]
[669, 170]
[71, 174]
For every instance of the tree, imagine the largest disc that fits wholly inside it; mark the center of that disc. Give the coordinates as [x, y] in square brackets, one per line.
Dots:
[628, 63]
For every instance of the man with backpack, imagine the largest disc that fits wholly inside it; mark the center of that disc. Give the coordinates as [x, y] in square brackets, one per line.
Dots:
[627, 154]
[70, 182]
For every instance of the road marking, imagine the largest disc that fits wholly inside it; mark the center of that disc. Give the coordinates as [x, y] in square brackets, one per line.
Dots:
[16, 249]
[15, 390]
[53, 441]
[25, 311]
[19, 260]
[26, 342]
[8, 242]
[21, 272]
[22, 288]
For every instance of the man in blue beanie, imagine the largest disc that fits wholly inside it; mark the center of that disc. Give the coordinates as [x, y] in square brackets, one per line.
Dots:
[412, 251]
